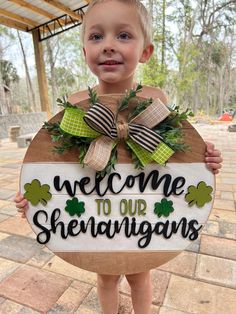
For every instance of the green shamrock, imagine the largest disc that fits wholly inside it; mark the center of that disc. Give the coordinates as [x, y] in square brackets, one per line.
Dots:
[74, 207]
[163, 208]
[37, 193]
[199, 195]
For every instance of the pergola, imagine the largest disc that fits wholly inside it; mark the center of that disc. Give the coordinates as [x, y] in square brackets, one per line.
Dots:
[43, 19]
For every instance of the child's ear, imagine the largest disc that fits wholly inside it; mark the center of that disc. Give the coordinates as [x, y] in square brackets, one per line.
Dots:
[147, 53]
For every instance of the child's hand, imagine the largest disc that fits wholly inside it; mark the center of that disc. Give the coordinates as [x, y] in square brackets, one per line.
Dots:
[213, 158]
[21, 204]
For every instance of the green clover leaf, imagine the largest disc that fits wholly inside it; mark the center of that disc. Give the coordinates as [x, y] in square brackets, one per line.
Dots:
[37, 193]
[163, 208]
[199, 195]
[74, 207]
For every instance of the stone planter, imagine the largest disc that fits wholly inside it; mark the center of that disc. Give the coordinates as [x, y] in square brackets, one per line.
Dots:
[13, 132]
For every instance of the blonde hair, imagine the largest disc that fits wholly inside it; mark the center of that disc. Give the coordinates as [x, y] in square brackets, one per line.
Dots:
[145, 18]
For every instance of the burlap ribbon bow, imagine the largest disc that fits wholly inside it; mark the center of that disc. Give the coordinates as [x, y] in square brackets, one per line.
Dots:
[100, 123]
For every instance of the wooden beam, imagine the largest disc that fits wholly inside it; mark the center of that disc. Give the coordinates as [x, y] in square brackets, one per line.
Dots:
[36, 10]
[63, 8]
[41, 74]
[18, 18]
[13, 24]
[33, 8]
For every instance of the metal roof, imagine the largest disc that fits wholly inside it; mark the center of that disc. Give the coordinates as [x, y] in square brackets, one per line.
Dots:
[50, 17]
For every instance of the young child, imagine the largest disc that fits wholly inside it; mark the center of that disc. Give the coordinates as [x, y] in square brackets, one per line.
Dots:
[116, 36]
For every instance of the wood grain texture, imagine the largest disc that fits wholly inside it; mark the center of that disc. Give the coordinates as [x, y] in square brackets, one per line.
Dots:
[117, 262]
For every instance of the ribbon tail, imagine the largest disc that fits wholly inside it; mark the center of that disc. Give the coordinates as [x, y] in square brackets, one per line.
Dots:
[144, 156]
[161, 154]
[99, 152]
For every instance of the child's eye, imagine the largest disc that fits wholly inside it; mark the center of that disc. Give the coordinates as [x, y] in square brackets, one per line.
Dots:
[124, 36]
[95, 37]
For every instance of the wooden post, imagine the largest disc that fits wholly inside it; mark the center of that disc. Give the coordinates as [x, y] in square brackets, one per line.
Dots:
[42, 80]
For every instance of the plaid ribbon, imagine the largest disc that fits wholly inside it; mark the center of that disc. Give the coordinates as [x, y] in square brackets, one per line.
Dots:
[100, 123]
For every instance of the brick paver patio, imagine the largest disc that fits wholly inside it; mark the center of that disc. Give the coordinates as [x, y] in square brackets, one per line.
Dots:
[201, 281]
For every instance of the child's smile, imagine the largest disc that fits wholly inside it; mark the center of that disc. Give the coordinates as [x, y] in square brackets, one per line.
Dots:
[110, 65]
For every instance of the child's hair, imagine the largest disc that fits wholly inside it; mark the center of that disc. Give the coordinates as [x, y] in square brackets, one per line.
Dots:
[145, 19]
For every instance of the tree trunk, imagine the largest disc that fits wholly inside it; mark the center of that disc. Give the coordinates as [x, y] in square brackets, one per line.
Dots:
[163, 37]
[221, 90]
[52, 75]
[28, 78]
[2, 94]
[3, 102]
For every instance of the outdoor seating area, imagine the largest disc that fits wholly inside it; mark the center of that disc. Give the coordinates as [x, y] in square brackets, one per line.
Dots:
[24, 140]
[200, 280]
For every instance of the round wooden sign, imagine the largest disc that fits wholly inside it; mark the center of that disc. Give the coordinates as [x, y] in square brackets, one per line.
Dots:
[127, 222]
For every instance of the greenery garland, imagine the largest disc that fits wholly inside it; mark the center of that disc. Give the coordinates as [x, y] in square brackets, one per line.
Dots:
[169, 129]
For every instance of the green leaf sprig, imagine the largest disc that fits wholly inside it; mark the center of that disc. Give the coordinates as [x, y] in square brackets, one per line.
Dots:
[93, 97]
[176, 117]
[67, 141]
[64, 102]
[124, 103]
[170, 129]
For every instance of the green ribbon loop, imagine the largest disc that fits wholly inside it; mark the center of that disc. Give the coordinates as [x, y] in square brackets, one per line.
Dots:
[74, 124]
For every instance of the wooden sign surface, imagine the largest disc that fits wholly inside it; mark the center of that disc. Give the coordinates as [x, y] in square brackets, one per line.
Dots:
[130, 221]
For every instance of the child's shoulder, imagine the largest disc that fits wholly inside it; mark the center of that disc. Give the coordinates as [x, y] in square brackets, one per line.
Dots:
[147, 92]
[153, 92]
[78, 96]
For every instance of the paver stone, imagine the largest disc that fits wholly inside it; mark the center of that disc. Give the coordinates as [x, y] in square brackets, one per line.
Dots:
[34, 288]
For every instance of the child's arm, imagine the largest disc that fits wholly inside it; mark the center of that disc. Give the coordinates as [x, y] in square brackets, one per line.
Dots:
[21, 204]
[213, 157]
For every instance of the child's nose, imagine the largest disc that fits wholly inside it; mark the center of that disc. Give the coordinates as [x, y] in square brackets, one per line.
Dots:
[109, 46]
[108, 49]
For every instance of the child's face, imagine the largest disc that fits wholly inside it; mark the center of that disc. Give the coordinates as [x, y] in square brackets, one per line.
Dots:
[114, 42]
